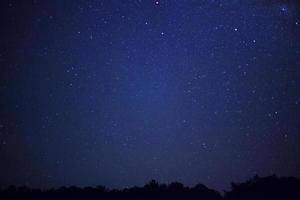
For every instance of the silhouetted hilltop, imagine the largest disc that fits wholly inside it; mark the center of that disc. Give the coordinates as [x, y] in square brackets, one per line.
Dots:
[257, 188]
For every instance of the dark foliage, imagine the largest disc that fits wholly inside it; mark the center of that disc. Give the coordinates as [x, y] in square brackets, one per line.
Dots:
[272, 188]
[266, 188]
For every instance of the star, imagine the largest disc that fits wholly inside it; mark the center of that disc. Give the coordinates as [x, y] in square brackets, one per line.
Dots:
[284, 8]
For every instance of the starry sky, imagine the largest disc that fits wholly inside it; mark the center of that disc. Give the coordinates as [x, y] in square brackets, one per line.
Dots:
[118, 92]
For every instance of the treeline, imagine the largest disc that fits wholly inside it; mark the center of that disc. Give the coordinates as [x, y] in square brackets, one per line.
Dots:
[257, 188]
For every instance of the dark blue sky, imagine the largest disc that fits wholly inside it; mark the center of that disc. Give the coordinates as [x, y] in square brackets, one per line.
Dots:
[119, 92]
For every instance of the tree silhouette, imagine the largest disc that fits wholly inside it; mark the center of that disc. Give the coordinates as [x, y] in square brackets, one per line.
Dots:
[270, 187]
[257, 188]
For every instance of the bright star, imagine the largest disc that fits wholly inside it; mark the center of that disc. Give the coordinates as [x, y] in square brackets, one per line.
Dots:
[284, 8]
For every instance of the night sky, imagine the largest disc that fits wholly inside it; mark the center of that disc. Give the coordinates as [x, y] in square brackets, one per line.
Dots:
[119, 92]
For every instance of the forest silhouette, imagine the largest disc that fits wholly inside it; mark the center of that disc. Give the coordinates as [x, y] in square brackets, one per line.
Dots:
[257, 188]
